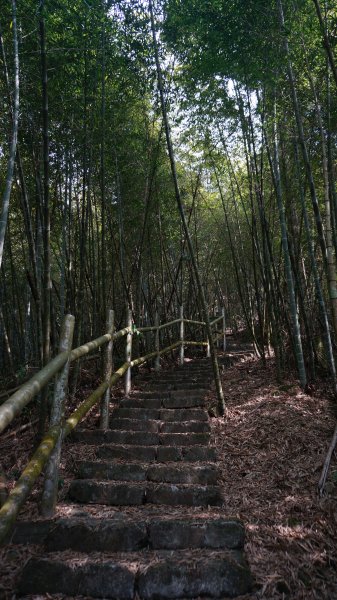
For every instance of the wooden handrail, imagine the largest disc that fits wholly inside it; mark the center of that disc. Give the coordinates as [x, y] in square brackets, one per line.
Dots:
[217, 320]
[164, 325]
[13, 406]
[154, 327]
[193, 322]
[25, 483]
[15, 403]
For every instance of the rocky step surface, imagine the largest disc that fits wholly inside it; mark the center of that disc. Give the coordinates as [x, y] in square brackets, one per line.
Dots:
[149, 576]
[157, 453]
[157, 426]
[142, 438]
[166, 414]
[203, 474]
[156, 463]
[176, 399]
[178, 386]
[125, 534]
[116, 493]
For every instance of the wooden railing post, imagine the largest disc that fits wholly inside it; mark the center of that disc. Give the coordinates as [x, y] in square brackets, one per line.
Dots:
[110, 327]
[208, 348]
[128, 353]
[223, 329]
[182, 335]
[157, 342]
[49, 496]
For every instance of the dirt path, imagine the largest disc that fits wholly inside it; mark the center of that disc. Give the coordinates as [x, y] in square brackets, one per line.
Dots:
[273, 443]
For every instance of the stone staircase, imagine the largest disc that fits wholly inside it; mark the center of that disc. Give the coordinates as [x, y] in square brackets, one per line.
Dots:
[164, 535]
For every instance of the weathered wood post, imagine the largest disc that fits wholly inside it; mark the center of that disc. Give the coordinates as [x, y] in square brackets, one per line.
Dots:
[148, 334]
[182, 335]
[157, 342]
[224, 344]
[128, 353]
[49, 496]
[208, 347]
[110, 327]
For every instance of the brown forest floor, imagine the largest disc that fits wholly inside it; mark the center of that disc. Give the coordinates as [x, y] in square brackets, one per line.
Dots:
[272, 445]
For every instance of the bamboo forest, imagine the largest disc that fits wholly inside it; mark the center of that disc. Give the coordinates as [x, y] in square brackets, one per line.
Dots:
[168, 299]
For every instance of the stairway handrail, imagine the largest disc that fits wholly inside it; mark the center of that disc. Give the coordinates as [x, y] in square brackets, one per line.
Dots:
[19, 494]
[13, 406]
[15, 403]
[169, 323]
[154, 327]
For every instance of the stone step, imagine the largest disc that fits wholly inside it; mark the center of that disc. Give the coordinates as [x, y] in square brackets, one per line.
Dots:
[97, 436]
[174, 378]
[194, 414]
[158, 453]
[168, 473]
[191, 369]
[181, 399]
[125, 534]
[148, 576]
[146, 394]
[140, 438]
[140, 402]
[180, 374]
[200, 393]
[185, 426]
[148, 414]
[134, 453]
[178, 399]
[89, 491]
[164, 386]
[184, 439]
[154, 426]
[186, 474]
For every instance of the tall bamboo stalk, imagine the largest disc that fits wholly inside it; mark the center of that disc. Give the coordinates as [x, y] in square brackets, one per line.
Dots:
[296, 333]
[15, 128]
[220, 395]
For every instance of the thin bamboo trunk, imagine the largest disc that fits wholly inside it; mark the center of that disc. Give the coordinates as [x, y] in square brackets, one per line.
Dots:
[328, 257]
[220, 395]
[296, 333]
[326, 41]
[15, 128]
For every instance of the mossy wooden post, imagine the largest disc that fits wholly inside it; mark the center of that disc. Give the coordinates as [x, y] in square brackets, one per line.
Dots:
[157, 342]
[128, 353]
[110, 327]
[182, 335]
[224, 342]
[49, 496]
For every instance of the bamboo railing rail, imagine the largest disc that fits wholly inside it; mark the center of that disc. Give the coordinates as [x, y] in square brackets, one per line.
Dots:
[24, 485]
[164, 325]
[154, 327]
[59, 366]
[15, 403]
